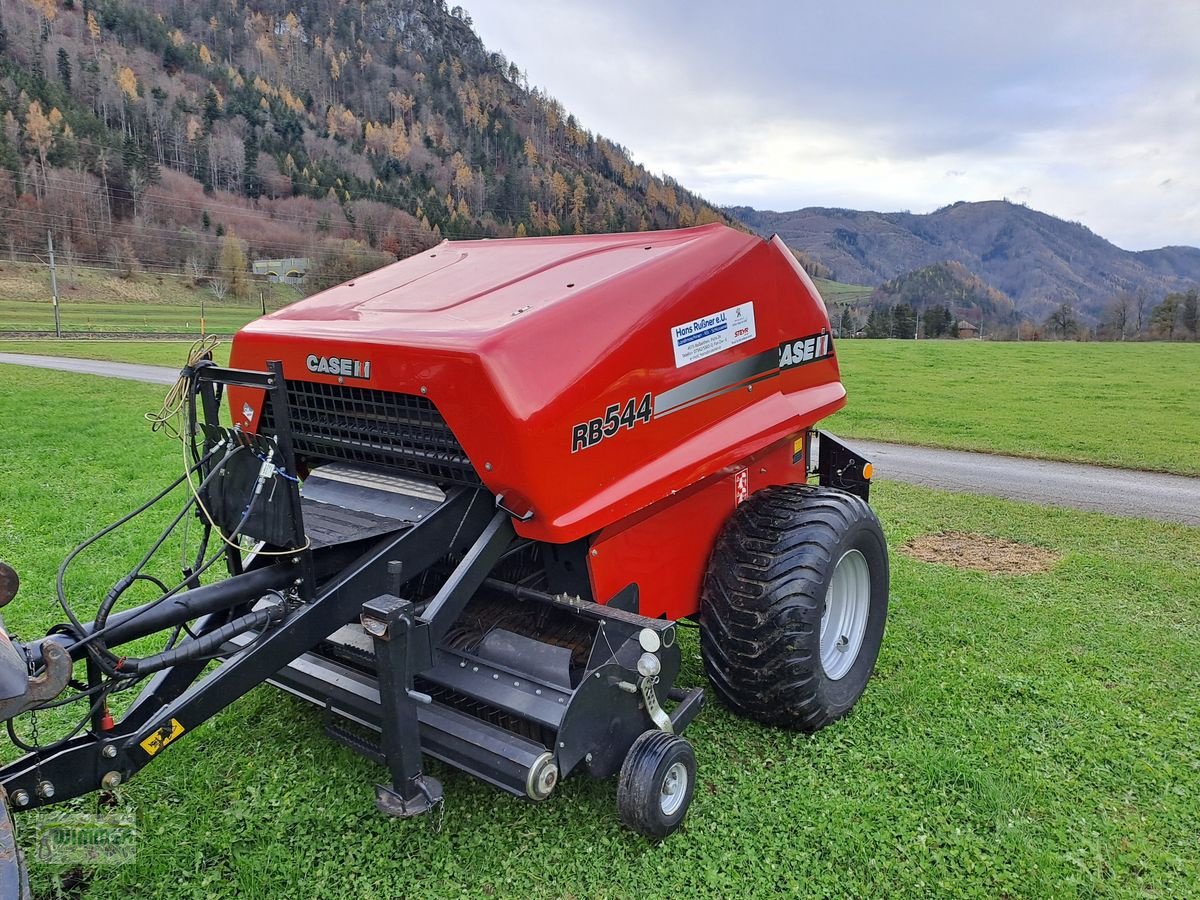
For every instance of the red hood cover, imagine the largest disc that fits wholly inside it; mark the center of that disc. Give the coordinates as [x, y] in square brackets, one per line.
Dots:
[522, 343]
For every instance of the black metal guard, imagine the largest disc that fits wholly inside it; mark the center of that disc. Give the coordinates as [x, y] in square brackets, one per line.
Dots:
[345, 423]
[840, 467]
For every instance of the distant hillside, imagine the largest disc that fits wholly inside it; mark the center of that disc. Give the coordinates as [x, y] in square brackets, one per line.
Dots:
[351, 133]
[1037, 260]
[946, 284]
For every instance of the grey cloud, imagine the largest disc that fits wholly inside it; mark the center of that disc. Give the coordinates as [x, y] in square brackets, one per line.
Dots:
[710, 91]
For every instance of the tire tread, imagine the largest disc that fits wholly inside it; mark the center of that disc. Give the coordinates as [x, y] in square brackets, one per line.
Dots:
[764, 593]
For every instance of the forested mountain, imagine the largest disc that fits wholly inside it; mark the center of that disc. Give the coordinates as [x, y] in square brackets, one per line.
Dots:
[946, 284]
[1041, 262]
[351, 132]
[940, 296]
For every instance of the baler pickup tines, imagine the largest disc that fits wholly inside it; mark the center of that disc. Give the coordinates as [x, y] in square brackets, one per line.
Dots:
[496, 711]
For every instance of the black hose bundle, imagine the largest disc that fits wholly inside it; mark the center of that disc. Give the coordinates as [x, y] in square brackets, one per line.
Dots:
[120, 673]
[207, 644]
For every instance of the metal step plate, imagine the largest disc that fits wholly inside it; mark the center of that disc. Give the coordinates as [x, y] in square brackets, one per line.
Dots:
[327, 524]
[377, 479]
[343, 502]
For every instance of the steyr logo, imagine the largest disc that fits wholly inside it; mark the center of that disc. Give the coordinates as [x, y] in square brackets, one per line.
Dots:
[336, 365]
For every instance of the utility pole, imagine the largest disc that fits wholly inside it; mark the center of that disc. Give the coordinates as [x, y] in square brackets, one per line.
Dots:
[262, 302]
[54, 284]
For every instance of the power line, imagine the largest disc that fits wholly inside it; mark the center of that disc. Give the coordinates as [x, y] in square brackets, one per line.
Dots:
[175, 235]
[267, 215]
[401, 202]
[95, 190]
[394, 199]
[90, 267]
[170, 234]
[196, 242]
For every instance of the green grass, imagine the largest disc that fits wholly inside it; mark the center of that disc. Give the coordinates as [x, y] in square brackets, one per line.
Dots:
[834, 292]
[1126, 405]
[92, 300]
[159, 353]
[1023, 736]
[1129, 405]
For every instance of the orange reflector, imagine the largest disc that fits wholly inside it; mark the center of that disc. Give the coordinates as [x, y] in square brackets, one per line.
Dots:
[868, 471]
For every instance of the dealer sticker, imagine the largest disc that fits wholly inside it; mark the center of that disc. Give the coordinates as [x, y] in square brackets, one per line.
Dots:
[702, 337]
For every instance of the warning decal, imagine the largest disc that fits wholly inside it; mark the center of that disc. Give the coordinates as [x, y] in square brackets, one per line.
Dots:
[702, 337]
[162, 737]
[741, 487]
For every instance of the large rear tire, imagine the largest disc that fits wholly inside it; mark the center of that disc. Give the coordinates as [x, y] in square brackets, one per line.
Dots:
[794, 604]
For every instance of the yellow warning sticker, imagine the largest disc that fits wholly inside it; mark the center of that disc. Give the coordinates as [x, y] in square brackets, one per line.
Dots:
[162, 737]
[797, 451]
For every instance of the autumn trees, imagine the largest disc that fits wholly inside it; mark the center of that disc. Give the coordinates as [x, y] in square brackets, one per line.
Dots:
[1134, 315]
[231, 266]
[1062, 322]
[161, 122]
[1177, 317]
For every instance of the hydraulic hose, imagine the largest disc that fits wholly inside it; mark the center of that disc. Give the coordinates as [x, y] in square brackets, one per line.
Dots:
[204, 645]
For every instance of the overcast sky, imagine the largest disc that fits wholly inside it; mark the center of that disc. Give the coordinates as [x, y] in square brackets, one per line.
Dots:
[1086, 110]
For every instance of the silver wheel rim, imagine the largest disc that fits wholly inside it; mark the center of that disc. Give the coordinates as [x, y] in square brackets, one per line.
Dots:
[674, 787]
[844, 623]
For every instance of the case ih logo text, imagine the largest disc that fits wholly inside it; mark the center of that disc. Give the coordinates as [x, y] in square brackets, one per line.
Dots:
[805, 350]
[334, 365]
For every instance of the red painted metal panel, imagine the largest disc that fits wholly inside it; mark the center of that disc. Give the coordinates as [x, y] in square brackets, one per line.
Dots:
[666, 548]
[519, 342]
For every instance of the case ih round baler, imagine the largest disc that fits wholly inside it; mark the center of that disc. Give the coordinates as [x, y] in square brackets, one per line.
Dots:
[463, 503]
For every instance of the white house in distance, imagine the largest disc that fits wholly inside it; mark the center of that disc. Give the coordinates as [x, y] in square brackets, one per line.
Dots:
[290, 270]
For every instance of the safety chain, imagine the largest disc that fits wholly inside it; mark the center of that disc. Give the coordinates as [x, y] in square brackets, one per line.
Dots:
[33, 724]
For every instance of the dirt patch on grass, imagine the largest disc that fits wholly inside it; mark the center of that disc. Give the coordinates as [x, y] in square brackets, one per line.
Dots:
[981, 553]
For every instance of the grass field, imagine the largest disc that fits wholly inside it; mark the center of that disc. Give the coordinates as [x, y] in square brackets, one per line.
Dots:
[1129, 405]
[160, 353]
[837, 292]
[93, 300]
[1024, 735]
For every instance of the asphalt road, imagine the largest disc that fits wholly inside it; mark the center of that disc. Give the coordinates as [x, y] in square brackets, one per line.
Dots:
[1122, 492]
[128, 371]
[1171, 498]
